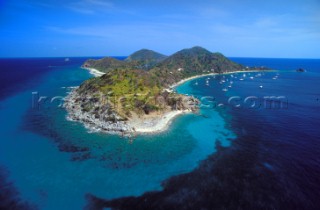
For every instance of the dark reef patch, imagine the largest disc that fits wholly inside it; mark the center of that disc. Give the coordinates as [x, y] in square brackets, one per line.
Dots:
[9, 196]
[266, 167]
[40, 122]
[229, 179]
[273, 164]
[122, 153]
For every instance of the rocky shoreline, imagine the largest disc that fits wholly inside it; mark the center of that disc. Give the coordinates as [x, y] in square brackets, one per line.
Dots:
[90, 121]
[110, 122]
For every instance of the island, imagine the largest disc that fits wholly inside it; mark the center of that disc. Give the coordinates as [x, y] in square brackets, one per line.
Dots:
[136, 95]
[300, 70]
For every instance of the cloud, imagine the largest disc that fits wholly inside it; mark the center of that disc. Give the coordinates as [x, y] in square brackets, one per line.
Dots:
[266, 22]
[212, 12]
[138, 34]
[130, 37]
[81, 31]
[91, 6]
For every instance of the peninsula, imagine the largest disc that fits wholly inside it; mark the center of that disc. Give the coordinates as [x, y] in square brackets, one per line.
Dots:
[136, 95]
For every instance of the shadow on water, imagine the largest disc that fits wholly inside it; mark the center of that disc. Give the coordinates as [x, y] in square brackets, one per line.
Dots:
[111, 151]
[39, 122]
[232, 178]
[269, 166]
[9, 196]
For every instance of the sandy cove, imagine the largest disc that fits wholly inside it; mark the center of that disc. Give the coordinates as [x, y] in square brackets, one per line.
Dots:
[213, 74]
[94, 72]
[154, 122]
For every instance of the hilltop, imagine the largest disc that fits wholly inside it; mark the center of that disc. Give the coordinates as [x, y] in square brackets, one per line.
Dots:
[143, 59]
[145, 55]
[191, 62]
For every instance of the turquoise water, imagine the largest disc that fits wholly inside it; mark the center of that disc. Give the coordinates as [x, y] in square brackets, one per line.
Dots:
[274, 161]
[54, 163]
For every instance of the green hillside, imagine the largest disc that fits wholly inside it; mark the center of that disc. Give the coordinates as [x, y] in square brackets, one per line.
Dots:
[128, 88]
[143, 59]
[126, 92]
[146, 55]
[191, 62]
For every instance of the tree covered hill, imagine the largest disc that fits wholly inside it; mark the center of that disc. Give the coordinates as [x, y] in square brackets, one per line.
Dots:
[169, 69]
[146, 56]
[192, 62]
[143, 59]
[137, 84]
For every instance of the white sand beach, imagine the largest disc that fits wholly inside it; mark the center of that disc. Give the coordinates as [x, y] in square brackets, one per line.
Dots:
[212, 74]
[94, 72]
[154, 123]
[191, 78]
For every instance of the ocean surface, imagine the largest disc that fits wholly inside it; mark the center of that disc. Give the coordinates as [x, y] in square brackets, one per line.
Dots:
[261, 128]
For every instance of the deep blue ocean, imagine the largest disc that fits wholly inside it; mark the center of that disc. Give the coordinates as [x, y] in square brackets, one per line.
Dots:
[255, 143]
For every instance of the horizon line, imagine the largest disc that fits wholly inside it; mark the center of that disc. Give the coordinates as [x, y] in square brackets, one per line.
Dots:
[114, 56]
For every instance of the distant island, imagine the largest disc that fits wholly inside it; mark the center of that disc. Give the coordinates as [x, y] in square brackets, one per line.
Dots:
[300, 70]
[136, 94]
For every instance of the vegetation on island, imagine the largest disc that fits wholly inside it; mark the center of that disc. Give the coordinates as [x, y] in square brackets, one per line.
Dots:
[191, 62]
[139, 84]
[124, 91]
[143, 59]
[129, 92]
[171, 69]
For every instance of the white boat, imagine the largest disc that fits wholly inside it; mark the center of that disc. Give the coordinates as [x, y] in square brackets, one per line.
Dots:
[225, 89]
[260, 86]
[241, 79]
[229, 86]
[251, 77]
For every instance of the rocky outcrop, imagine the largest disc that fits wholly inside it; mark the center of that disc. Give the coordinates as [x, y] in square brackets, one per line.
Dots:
[98, 115]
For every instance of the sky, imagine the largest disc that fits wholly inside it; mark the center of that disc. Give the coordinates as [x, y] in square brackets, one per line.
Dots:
[246, 28]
